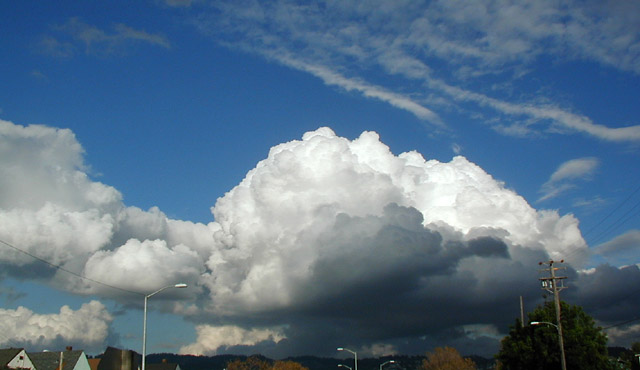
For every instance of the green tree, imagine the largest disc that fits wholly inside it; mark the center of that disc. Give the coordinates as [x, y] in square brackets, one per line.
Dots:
[261, 363]
[288, 365]
[447, 358]
[536, 347]
[629, 359]
[635, 361]
[251, 363]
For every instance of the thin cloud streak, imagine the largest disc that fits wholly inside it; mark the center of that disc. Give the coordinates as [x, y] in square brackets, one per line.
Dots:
[76, 35]
[407, 40]
[376, 92]
[575, 169]
[556, 115]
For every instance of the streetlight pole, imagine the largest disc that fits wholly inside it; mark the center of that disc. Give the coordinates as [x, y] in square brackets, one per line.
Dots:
[355, 356]
[563, 362]
[144, 321]
[345, 366]
[388, 362]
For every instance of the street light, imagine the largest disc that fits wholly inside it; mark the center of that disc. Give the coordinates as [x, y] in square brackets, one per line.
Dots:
[144, 321]
[341, 365]
[355, 356]
[388, 362]
[563, 362]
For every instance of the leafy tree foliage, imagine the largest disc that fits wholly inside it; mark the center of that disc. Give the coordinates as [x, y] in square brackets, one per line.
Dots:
[288, 365]
[251, 363]
[635, 361]
[537, 347]
[260, 363]
[627, 357]
[447, 358]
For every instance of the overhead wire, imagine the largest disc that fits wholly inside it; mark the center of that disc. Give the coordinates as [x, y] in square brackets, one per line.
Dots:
[58, 267]
[615, 225]
[612, 212]
[621, 323]
[618, 223]
[612, 227]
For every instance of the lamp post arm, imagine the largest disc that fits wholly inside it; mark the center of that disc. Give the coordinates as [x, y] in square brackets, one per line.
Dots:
[144, 319]
[388, 362]
[563, 362]
[144, 330]
[181, 285]
[355, 355]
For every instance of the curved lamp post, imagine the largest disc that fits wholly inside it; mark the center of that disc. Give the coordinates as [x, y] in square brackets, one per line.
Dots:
[355, 356]
[388, 362]
[563, 362]
[345, 366]
[144, 321]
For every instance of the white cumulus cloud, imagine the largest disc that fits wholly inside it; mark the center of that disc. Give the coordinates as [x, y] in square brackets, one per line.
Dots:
[320, 227]
[138, 265]
[211, 338]
[325, 223]
[87, 327]
[52, 209]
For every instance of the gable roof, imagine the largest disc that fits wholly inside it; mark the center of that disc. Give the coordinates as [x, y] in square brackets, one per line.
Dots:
[51, 360]
[8, 354]
[93, 363]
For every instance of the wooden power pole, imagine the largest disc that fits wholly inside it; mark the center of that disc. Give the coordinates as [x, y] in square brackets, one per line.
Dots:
[554, 284]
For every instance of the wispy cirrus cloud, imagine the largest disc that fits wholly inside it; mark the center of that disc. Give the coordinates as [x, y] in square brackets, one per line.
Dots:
[178, 3]
[435, 53]
[76, 36]
[561, 180]
[333, 78]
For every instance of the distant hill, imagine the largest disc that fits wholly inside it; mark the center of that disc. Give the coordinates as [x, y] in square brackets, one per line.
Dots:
[219, 362]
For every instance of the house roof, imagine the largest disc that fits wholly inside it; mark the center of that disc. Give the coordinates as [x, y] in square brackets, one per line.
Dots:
[93, 363]
[8, 354]
[50, 360]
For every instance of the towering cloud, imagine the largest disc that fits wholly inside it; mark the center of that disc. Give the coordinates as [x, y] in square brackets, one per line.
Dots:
[328, 229]
[327, 240]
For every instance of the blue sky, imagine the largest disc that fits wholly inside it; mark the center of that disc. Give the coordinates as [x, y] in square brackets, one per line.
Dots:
[255, 151]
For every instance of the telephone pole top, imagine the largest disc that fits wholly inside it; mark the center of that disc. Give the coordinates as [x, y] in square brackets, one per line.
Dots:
[554, 284]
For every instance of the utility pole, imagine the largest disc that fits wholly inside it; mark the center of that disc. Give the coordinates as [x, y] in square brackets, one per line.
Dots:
[521, 312]
[554, 284]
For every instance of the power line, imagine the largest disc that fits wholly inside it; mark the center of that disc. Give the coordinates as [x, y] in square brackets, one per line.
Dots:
[612, 227]
[612, 211]
[67, 271]
[618, 223]
[622, 323]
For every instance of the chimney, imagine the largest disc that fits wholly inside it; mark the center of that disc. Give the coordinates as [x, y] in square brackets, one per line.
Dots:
[69, 348]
